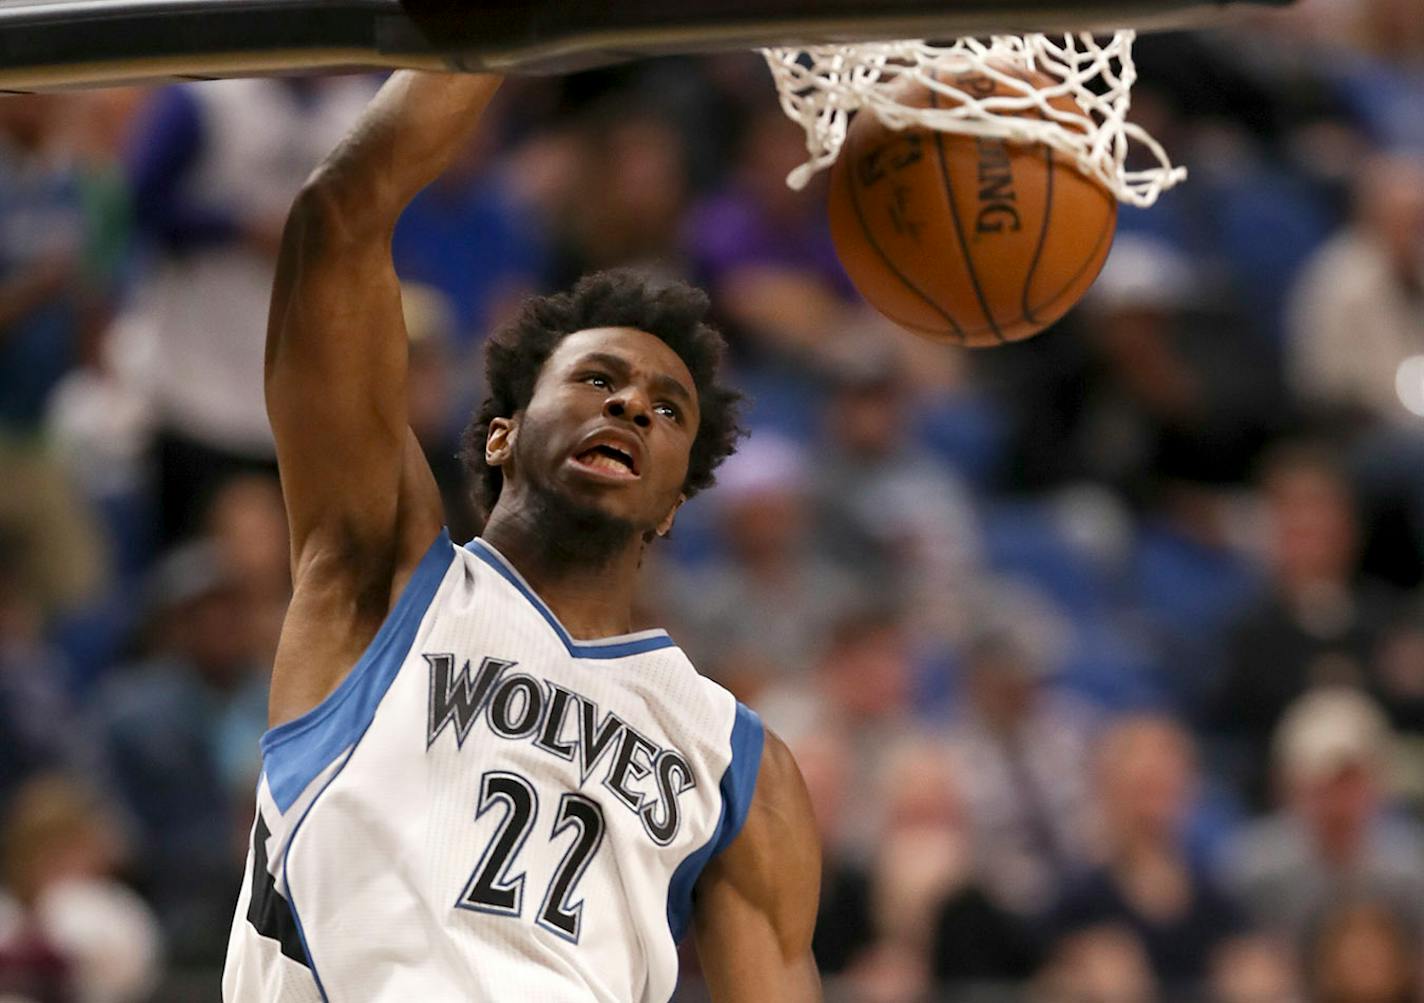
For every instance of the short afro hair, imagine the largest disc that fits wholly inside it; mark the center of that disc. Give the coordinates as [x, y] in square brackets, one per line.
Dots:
[673, 311]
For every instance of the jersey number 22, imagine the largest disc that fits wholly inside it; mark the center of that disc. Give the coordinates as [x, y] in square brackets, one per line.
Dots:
[493, 889]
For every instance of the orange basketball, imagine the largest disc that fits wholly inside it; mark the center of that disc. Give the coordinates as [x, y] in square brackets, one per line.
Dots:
[968, 240]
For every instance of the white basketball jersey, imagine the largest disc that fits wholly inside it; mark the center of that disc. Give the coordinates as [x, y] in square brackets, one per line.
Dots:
[487, 809]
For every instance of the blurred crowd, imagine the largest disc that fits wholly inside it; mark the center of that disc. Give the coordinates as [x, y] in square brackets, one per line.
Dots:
[1102, 654]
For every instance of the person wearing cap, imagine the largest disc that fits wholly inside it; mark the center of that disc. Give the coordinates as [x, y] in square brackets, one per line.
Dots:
[766, 603]
[1333, 836]
[1159, 394]
[887, 510]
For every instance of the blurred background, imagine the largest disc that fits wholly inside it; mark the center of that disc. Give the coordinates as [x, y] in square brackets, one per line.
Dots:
[1102, 654]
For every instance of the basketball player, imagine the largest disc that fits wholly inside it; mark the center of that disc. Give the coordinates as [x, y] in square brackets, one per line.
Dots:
[478, 785]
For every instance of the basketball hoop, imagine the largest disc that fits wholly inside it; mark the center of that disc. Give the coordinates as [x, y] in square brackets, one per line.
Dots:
[821, 85]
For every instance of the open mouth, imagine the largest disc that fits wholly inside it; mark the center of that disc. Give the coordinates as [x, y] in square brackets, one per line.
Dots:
[608, 459]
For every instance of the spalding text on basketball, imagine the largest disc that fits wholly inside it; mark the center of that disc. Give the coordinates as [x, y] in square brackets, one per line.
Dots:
[997, 209]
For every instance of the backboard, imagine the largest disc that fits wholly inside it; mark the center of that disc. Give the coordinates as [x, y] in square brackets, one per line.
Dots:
[47, 44]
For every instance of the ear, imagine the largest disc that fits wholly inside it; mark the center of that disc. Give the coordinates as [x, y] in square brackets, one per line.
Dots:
[665, 527]
[499, 443]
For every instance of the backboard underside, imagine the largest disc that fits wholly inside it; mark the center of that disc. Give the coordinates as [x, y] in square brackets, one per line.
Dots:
[49, 44]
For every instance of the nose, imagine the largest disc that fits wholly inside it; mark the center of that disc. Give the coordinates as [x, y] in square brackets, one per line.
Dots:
[629, 404]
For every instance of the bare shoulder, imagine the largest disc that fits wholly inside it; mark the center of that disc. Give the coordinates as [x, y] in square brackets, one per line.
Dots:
[757, 900]
[780, 822]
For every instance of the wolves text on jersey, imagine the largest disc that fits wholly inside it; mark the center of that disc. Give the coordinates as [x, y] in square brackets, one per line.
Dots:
[564, 724]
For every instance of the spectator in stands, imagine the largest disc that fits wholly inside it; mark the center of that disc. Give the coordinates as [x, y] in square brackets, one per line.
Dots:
[761, 610]
[474, 238]
[932, 921]
[1256, 969]
[763, 251]
[50, 289]
[247, 523]
[59, 551]
[38, 726]
[97, 432]
[180, 730]
[1398, 678]
[1333, 836]
[96, 423]
[887, 511]
[214, 168]
[860, 684]
[1358, 353]
[1104, 964]
[1025, 752]
[68, 929]
[1364, 951]
[891, 922]
[1372, 53]
[1357, 311]
[1148, 884]
[1316, 624]
[52, 293]
[621, 193]
[1184, 396]
[1155, 383]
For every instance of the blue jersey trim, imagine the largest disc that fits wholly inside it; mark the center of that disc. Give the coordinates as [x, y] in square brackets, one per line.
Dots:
[610, 647]
[292, 898]
[738, 785]
[287, 877]
[294, 753]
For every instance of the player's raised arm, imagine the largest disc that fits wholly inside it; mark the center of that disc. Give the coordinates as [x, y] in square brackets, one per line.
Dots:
[336, 343]
[756, 901]
[360, 499]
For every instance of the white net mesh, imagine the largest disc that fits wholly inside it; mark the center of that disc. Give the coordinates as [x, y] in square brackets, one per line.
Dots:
[820, 86]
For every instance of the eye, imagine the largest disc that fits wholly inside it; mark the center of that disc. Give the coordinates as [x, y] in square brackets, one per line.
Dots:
[668, 410]
[598, 380]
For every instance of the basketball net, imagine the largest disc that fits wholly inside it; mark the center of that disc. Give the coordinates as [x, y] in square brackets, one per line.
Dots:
[820, 86]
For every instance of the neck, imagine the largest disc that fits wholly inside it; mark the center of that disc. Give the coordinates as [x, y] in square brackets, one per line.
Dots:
[581, 565]
[1137, 849]
[1340, 845]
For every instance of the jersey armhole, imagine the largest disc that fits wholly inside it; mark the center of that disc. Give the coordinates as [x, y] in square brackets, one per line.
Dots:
[295, 752]
[740, 779]
[738, 787]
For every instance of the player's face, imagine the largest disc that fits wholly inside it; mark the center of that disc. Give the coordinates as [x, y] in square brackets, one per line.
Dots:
[611, 425]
